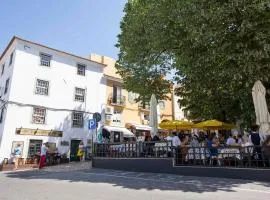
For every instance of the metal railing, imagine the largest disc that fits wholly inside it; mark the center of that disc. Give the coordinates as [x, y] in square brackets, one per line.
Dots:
[117, 100]
[241, 157]
[134, 150]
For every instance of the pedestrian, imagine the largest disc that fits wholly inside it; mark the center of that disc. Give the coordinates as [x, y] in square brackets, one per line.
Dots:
[80, 152]
[17, 154]
[43, 153]
[256, 141]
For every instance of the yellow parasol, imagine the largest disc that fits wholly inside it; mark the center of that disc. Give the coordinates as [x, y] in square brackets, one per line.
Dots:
[176, 125]
[214, 125]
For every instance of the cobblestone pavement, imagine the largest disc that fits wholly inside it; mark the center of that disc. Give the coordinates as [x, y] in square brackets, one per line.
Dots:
[76, 181]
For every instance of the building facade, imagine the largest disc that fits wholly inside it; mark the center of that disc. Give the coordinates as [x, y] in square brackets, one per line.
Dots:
[121, 109]
[47, 95]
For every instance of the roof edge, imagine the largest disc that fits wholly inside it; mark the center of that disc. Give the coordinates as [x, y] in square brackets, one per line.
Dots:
[7, 48]
[53, 49]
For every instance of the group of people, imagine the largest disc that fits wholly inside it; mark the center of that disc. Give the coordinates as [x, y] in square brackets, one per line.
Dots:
[250, 143]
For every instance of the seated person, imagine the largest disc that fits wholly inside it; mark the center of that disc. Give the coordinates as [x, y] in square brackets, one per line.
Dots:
[230, 141]
[212, 145]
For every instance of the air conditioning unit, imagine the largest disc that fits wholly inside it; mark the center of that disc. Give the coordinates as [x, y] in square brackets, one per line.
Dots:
[109, 117]
[109, 110]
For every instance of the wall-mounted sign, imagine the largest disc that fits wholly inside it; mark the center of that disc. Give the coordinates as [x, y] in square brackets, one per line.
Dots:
[64, 143]
[39, 132]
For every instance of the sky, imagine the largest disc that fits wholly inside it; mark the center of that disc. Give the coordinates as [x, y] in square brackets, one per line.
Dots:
[80, 27]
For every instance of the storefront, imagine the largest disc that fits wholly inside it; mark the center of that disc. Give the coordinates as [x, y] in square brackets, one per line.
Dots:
[117, 134]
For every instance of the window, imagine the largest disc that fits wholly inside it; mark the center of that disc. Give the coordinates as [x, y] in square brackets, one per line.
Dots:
[45, 60]
[77, 119]
[42, 87]
[39, 115]
[161, 105]
[81, 69]
[6, 86]
[1, 115]
[3, 69]
[11, 59]
[79, 94]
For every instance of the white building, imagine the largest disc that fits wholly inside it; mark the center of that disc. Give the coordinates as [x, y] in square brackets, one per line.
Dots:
[47, 95]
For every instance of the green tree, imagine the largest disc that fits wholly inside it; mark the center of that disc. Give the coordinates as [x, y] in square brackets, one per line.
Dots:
[218, 47]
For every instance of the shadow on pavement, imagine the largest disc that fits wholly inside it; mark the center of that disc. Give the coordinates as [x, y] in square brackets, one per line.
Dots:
[138, 181]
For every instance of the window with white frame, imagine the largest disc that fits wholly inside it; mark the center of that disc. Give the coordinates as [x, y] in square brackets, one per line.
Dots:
[42, 87]
[6, 86]
[11, 59]
[45, 60]
[77, 119]
[39, 115]
[1, 115]
[3, 69]
[79, 94]
[81, 69]
[161, 105]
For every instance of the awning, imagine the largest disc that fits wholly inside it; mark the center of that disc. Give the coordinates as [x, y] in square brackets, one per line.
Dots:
[126, 132]
[140, 126]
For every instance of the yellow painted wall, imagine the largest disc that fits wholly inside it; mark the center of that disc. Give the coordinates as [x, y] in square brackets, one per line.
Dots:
[131, 112]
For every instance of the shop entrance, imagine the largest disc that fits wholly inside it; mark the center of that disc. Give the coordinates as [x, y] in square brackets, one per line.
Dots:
[34, 147]
[74, 146]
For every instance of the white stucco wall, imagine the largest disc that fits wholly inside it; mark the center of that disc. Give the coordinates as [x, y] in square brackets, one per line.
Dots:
[63, 79]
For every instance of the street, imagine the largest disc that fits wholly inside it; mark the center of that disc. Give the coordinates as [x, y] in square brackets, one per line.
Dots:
[107, 184]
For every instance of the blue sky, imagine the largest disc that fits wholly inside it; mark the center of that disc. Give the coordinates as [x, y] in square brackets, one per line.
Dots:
[80, 27]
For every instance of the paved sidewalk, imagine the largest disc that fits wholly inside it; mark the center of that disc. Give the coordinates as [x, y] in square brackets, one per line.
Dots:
[73, 166]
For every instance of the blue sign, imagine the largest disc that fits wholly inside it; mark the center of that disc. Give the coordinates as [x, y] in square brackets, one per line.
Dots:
[91, 124]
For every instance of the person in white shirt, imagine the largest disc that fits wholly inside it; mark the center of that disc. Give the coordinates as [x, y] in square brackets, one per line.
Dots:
[230, 141]
[176, 141]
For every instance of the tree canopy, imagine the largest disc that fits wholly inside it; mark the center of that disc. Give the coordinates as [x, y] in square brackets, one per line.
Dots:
[219, 48]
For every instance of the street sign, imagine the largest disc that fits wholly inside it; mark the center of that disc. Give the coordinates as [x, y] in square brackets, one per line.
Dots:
[97, 117]
[92, 124]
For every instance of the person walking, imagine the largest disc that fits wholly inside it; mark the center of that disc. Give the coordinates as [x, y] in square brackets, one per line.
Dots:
[80, 152]
[43, 153]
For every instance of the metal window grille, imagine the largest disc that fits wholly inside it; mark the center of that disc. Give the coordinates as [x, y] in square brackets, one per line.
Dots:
[11, 59]
[1, 115]
[3, 69]
[39, 115]
[81, 69]
[77, 119]
[42, 87]
[6, 86]
[79, 94]
[45, 60]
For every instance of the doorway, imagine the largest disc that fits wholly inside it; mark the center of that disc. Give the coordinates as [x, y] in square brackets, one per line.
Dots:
[34, 147]
[74, 147]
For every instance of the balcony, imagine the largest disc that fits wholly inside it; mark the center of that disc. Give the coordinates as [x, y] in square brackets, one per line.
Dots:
[144, 108]
[117, 100]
